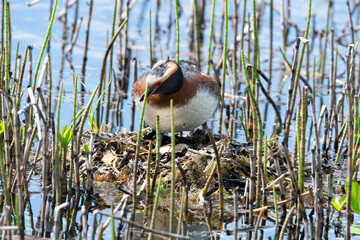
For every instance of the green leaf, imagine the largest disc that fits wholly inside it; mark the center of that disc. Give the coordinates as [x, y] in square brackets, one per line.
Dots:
[355, 195]
[355, 229]
[87, 149]
[338, 203]
[1, 127]
[65, 136]
[63, 130]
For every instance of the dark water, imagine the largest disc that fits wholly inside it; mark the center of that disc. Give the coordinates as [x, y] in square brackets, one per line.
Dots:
[29, 26]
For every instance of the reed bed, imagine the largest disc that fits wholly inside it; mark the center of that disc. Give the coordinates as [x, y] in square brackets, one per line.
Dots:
[297, 171]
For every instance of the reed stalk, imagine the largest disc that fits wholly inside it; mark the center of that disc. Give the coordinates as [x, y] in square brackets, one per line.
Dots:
[132, 119]
[297, 76]
[7, 64]
[258, 130]
[158, 155]
[350, 22]
[110, 71]
[197, 33]
[350, 122]
[242, 31]
[103, 66]
[137, 152]
[300, 169]
[265, 174]
[89, 170]
[287, 220]
[276, 212]
[44, 44]
[316, 162]
[177, 32]
[148, 166]
[218, 167]
[356, 124]
[16, 73]
[60, 172]
[84, 118]
[210, 36]
[172, 196]
[73, 127]
[155, 207]
[223, 65]
[323, 53]
[181, 211]
[150, 41]
[271, 39]
[4, 177]
[21, 77]
[256, 56]
[283, 27]
[87, 33]
[236, 213]
[303, 116]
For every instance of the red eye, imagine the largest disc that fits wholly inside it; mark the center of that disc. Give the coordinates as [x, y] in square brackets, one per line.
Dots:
[158, 84]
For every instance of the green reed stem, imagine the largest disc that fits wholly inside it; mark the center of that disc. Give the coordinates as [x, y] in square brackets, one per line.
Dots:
[15, 69]
[138, 146]
[256, 45]
[343, 137]
[148, 166]
[58, 169]
[112, 223]
[181, 211]
[244, 125]
[276, 212]
[197, 33]
[265, 168]
[44, 44]
[107, 113]
[103, 67]
[298, 140]
[257, 115]
[356, 118]
[297, 76]
[150, 40]
[323, 55]
[158, 155]
[4, 177]
[242, 31]
[22, 70]
[303, 117]
[177, 32]
[210, 36]
[156, 203]
[7, 64]
[84, 117]
[223, 64]
[49, 88]
[356, 138]
[271, 38]
[172, 205]
[73, 127]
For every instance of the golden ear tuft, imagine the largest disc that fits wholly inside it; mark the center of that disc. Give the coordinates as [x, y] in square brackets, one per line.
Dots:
[171, 68]
[158, 64]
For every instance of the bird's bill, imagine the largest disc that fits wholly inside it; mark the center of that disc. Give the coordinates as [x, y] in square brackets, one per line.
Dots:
[149, 94]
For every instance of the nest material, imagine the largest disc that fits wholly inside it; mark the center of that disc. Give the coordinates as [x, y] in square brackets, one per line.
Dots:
[114, 157]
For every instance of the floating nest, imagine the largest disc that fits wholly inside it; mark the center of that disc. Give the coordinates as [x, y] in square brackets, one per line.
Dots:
[114, 157]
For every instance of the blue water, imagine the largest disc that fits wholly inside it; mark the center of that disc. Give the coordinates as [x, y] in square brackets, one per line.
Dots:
[29, 26]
